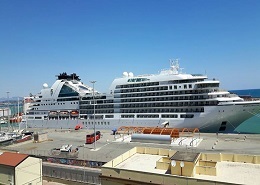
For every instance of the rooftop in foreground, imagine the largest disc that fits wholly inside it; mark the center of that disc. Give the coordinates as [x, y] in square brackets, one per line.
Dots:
[165, 166]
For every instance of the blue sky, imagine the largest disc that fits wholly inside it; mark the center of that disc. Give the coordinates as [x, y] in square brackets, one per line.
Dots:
[100, 39]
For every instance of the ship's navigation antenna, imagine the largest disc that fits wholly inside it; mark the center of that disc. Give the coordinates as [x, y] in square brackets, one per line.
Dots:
[175, 67]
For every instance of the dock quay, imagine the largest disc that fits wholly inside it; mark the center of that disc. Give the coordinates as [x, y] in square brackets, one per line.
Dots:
[110, 146]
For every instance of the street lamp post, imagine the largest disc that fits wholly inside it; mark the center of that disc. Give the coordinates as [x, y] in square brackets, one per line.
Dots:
[8, 108]
[93, 82]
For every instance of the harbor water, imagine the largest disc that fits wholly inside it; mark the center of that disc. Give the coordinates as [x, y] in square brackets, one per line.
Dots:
[251, 125]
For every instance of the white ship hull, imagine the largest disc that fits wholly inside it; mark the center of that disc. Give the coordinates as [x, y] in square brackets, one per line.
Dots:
[209, 121]
[169, 98]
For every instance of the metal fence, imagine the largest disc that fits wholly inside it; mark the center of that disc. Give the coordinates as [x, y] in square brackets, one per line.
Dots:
[72, 174]
[72, 169]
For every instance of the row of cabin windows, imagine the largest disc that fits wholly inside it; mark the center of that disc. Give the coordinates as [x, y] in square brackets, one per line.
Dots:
[188, 92]
[91, 97]
[137, 85]
[97, 102]
[97, 111]
[185, 86]
[62, 118]
[50, 104]
[148, 105]
[169, 104]
[208, 85]
[97, 106]
[184, 81]
[60, 99]
[96, 116]
[97, 123]
[32, 113]
[157, 83]
[131, 116]
[68, 99]
[60, 103]
[176, 98]
[82, 116]
[157, 116]
[142, 110]
[161, 110]
[147, 116]
[51, 118]
[161, 88]
[128, 116]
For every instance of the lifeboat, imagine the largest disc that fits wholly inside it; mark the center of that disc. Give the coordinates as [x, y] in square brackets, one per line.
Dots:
[74, 113]
[53, 114]
[64, 113]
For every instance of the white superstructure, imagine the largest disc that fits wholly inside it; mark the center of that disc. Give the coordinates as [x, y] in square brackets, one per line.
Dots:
[172, 97]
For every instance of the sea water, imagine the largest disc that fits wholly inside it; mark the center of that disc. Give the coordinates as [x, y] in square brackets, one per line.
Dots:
[251, 125]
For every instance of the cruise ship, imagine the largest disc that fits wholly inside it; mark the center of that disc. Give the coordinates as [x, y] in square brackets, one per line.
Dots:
[167, 99]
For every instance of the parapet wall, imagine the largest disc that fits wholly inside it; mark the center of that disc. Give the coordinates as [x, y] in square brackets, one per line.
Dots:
[242, 158]
[140, 150]
[206, 164]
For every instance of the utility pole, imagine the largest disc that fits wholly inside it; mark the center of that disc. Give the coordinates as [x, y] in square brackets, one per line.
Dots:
[93, 82]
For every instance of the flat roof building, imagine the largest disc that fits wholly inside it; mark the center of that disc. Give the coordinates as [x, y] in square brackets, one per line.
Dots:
[17, 169]
[143, 165]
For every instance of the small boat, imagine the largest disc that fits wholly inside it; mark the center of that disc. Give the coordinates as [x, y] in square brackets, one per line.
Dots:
[5, 139]
[24, 138]
[3, 121]
[27, 133]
